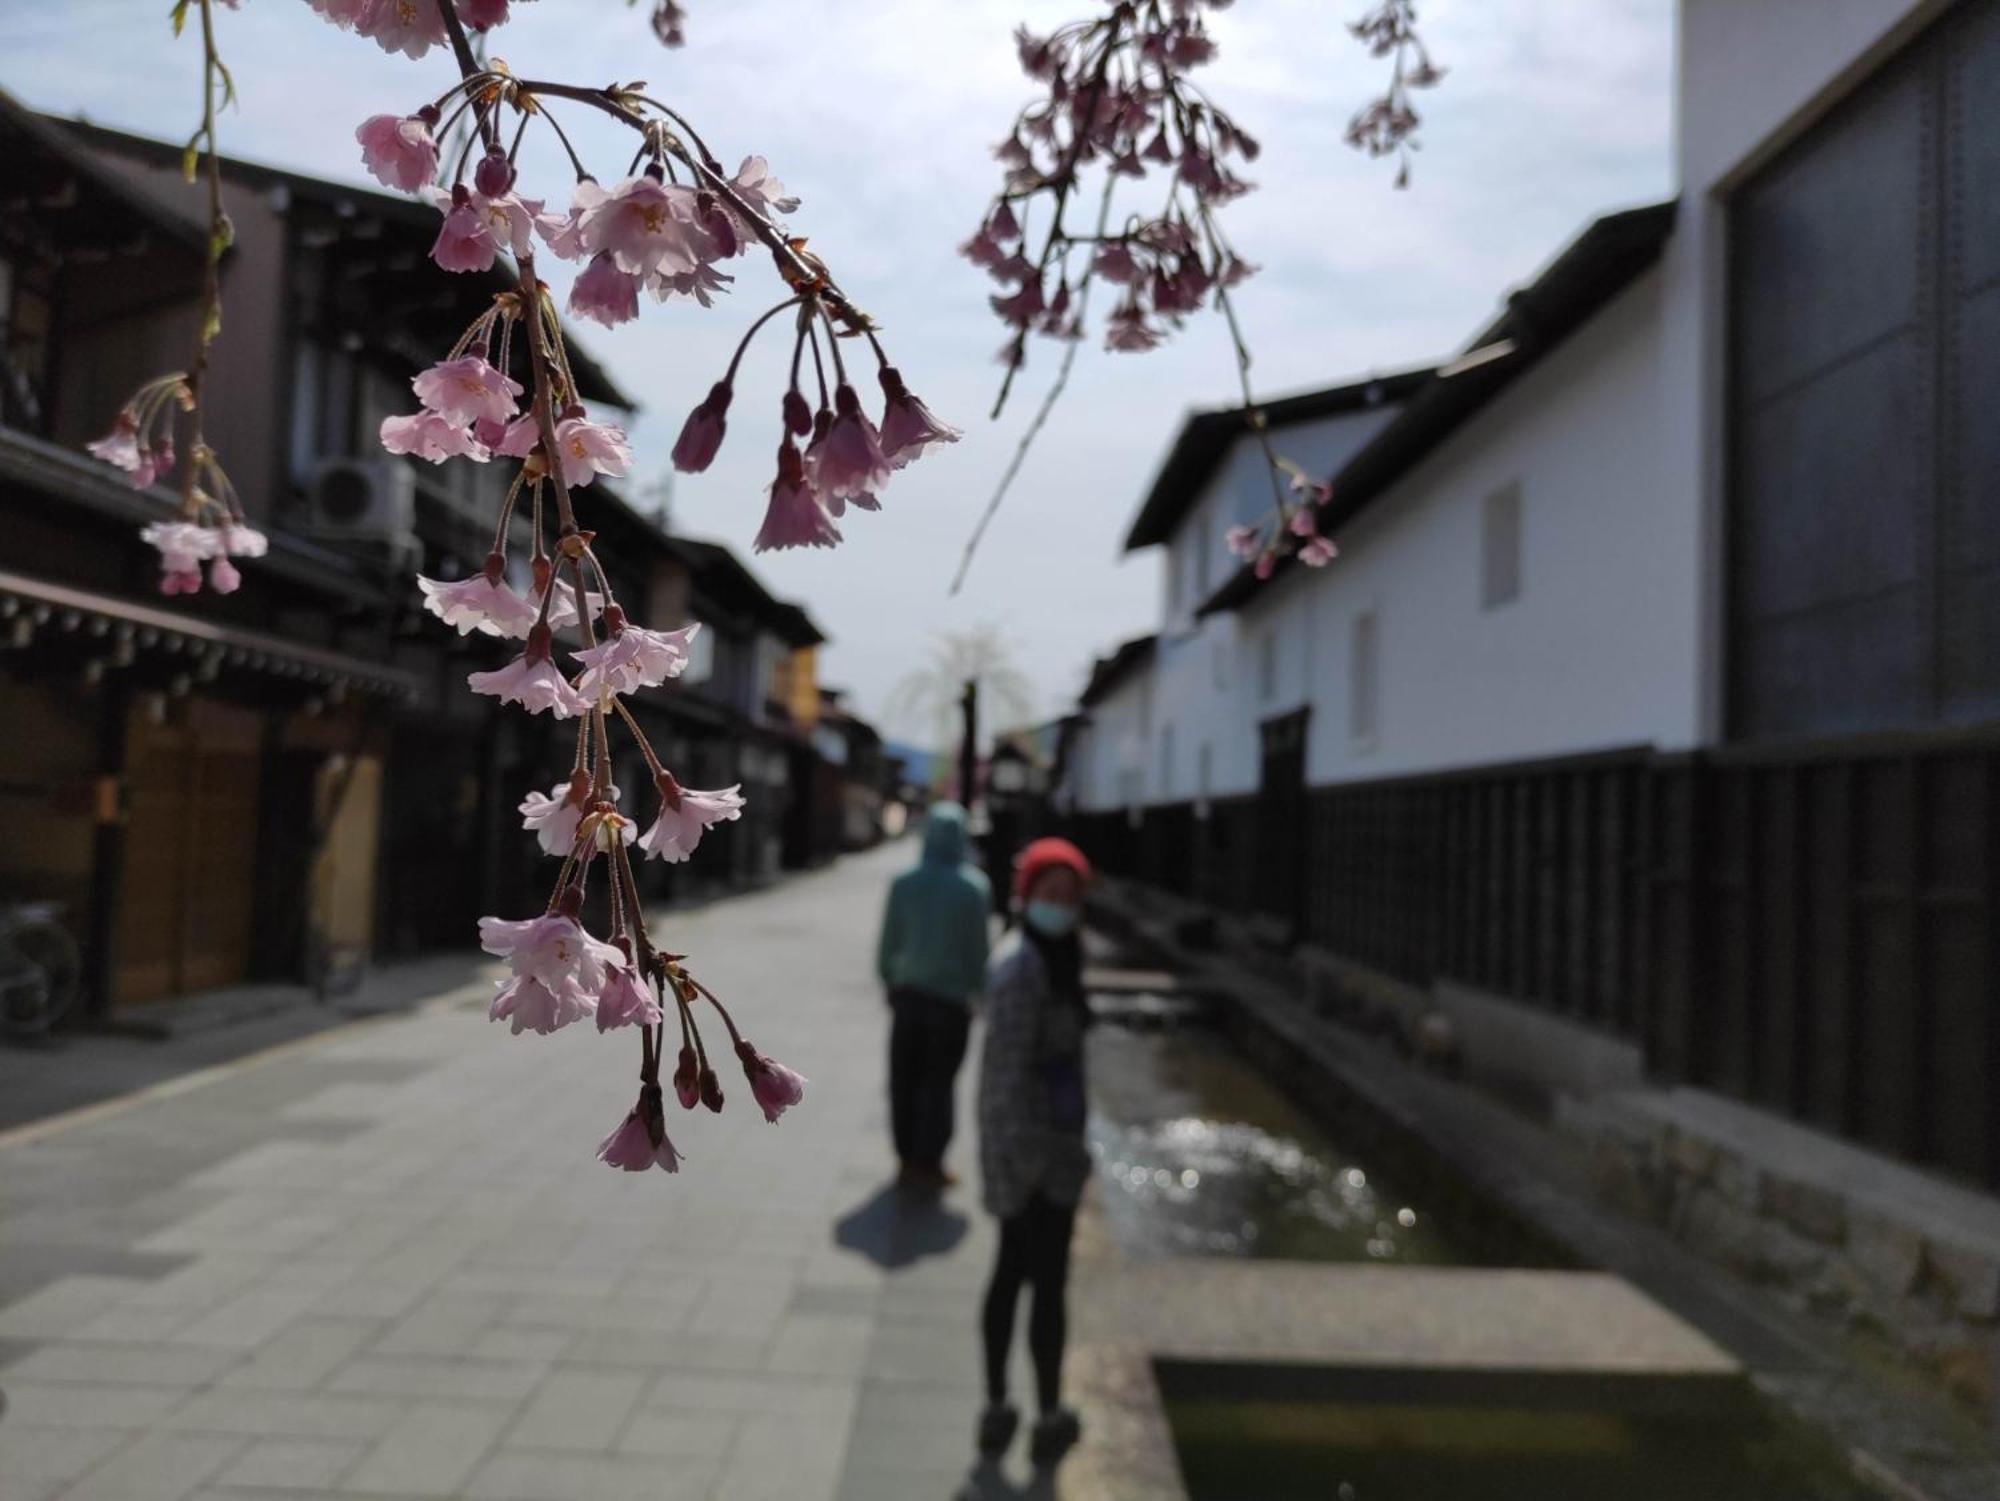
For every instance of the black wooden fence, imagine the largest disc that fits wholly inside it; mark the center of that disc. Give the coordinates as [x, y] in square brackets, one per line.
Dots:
[1815, 932]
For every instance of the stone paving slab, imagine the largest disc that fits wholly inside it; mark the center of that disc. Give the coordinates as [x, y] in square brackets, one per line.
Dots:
[382, 1264]
[1358, 1316]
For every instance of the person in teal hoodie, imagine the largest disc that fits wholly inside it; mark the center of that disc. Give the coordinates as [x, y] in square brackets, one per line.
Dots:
[932, 958]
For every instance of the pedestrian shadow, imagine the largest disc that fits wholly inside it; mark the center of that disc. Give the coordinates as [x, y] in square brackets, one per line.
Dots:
[894, 1229]
[987, 1482]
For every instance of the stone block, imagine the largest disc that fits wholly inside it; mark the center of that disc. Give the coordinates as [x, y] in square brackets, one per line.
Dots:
[1740, 1181]
[1970, 1275]
[1693, 1156]
[1809, 1208]
[1722, 1231]
[1888, 1252]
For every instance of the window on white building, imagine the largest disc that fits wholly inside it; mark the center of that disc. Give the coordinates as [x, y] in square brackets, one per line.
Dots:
[1500, 547]
[1363, 679]
[1267, 665]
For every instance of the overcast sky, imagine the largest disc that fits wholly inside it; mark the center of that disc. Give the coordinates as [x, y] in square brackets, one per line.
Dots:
[880, 115]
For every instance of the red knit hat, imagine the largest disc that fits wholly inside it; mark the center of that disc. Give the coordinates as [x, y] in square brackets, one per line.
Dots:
[1047, 854]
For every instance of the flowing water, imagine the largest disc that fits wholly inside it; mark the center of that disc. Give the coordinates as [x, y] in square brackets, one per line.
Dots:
[1198, 1155]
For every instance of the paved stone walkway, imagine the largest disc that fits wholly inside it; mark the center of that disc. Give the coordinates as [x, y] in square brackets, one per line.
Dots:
[382, 1263]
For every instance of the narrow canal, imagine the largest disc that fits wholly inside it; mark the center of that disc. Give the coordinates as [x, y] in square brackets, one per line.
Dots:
[1197, 1153]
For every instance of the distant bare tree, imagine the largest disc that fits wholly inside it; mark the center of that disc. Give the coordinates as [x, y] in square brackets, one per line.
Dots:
[929, 695]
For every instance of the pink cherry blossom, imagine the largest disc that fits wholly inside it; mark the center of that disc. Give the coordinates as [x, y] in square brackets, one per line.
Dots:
[120, 448]
[1318, 553]
[631, 658]
[795, 517]
[624, 1001]
[604, 294]
[849, 464]
[1264, 565]
[908, 426]
[480, 603]
[1243, 541]
[775, 1087]
[533, 681]
[1127, 329]
[551, 948]
[562, 609]
[588, 449]
[427, 435]
[410, 27]
[645, 225]
[482, 15]
[763, 192]
[1301, 524]
[640, 1141]
[343, 13]
[536, 684]
[983, 250]
[223, 577]
[398, 150]
[564, 233]
[702, 433]
[520, 437]
[240, 540]
[685, 815]
[1021, 308]
[466, 389]
[182, 546]
[477, 228]
[554, 819]
[698, 284]
[533, 1005]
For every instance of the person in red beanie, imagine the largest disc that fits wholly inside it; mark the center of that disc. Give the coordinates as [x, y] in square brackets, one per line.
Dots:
[1032, 1157]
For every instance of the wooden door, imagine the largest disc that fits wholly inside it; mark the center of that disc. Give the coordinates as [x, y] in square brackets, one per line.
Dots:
[185, 904]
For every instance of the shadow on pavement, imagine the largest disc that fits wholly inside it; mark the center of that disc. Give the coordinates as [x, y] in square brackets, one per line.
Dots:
[986, 1482]
[895, 1229]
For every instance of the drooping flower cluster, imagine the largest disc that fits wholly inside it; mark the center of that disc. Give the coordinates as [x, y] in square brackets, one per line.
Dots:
[208, 526]
[1116, 100]
[671, 229]
[1387, 125]
[1116, 96]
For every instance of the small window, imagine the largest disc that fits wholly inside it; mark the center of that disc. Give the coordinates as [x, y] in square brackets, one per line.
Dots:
[1500, 548]
[1267, 665]
[1363, 678]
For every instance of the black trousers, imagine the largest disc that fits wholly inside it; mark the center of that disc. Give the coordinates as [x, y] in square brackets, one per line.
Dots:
[926, 1046]
[1034, 1252]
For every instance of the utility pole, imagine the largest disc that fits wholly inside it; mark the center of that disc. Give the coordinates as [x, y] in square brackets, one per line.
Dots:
[968, 745]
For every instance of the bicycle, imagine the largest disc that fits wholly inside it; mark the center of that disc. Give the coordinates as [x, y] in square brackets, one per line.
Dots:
[40, 967]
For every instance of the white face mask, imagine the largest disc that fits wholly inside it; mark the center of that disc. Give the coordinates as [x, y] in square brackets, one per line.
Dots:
[1051, 919]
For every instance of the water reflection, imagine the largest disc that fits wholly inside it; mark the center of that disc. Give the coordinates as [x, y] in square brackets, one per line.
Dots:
[1198, 1155]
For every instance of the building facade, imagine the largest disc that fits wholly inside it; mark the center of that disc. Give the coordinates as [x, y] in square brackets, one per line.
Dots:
[292, 779]
[1657, 684]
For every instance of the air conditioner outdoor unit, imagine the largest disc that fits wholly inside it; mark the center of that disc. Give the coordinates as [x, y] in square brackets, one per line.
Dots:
[363, 500]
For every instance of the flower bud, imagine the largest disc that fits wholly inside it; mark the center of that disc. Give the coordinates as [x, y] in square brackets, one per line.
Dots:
[494, 175]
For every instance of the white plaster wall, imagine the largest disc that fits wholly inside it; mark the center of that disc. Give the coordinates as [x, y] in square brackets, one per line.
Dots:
[1752, 75]
[1598, 650]
[1112, 750]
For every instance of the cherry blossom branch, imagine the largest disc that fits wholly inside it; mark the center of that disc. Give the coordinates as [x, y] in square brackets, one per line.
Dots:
[1118, 92]
[209, 526]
